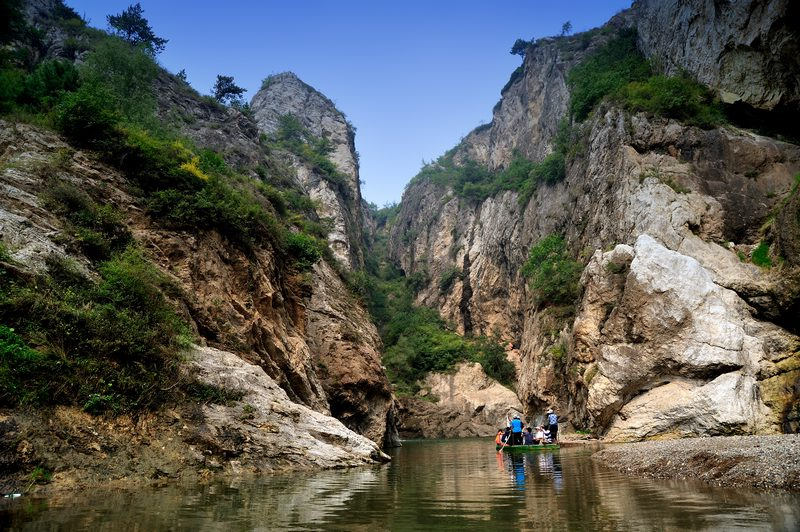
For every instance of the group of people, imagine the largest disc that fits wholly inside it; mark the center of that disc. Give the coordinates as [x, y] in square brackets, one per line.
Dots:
[517, 433]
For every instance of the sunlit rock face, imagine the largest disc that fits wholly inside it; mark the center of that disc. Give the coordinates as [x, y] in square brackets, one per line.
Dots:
[274, 429]
[344, 342]
[463, 403]
[668, 199]
[285, 94]
[676, 353]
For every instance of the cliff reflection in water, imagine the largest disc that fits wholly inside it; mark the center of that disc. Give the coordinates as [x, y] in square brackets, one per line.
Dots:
[444, 484]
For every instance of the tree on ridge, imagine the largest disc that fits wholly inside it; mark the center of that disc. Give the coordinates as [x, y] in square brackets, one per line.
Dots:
[134, 28]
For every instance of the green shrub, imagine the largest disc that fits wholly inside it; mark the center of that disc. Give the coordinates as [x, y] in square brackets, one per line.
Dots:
[605, 71]
[760, 255]
[127, 74]
[12, 82]
[97, 229]
[211, 162]
[215, 205]
[417, 281]
[85, 117]
[19, 367]
[304, 249]
[109, 345]
[44, 86]
[275, 197]
[5, 254]
[553, 275]
[448, 278]
[673, 97]
[552, 169]
[492, 357]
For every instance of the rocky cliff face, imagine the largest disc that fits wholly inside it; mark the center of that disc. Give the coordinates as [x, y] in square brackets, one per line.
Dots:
[285, 94]
[245, 303]
[711, 339]
[747, 50]
[464, 403]
[298, 344]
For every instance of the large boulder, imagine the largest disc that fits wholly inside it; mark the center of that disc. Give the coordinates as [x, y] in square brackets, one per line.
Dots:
[675, 352]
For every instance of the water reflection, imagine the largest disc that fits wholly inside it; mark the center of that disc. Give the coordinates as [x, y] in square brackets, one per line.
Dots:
[461, 484]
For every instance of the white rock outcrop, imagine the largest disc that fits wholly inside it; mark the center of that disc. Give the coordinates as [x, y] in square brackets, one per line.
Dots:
[677, 354]
[272, 429]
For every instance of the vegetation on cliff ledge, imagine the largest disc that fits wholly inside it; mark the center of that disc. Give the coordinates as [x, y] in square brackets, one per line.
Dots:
[105, 345]
[619, 71]
[552, 274]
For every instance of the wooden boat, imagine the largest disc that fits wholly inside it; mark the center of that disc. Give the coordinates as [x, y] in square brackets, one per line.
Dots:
[528, 448]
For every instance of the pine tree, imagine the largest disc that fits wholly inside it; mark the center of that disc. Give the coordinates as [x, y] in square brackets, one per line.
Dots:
[134, 28]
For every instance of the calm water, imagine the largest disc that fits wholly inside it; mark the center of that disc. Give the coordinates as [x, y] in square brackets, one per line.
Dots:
[445, 484]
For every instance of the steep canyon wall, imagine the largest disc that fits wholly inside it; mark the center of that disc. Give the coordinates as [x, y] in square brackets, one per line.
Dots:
[674, 334]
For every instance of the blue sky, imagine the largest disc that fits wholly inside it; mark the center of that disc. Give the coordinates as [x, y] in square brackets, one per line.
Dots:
[413, 77]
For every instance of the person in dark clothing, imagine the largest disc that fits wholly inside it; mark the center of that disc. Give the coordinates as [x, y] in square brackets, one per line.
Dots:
[552, 421]
[527, 436]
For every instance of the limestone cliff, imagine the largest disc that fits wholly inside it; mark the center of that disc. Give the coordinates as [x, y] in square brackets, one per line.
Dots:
[285, 94]
[464, 403]
[746, 50]
[674, 334]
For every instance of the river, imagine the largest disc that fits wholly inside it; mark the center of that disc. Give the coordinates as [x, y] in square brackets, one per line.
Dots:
[435, 484]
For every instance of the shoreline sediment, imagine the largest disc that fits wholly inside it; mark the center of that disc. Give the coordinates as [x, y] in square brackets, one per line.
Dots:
[761, 462]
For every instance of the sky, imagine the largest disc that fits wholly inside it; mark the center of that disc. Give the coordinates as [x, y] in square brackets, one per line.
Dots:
[414, 77]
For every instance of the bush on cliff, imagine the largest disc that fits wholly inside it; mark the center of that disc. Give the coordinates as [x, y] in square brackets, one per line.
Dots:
[619, 71]
[552, 274]
[85, 118]
[611, 67]
[673, 97]
[105, 345]
[97, 229]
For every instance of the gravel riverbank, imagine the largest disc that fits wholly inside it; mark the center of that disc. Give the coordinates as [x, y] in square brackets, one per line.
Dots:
[763, 462]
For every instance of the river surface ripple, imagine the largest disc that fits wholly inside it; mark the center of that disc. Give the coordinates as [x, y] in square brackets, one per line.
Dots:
[430, 485]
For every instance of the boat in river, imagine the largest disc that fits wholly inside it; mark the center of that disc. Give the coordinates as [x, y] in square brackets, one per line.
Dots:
[528, 448]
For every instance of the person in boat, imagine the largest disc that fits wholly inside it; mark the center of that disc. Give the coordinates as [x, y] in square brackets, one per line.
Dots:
[516, 430]
[539, 438]
[498, 439]
[546, 435]
[506, 437]
[527, 436]
[552, 420]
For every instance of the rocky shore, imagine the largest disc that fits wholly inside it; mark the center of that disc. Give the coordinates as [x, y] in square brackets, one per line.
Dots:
[763, 462]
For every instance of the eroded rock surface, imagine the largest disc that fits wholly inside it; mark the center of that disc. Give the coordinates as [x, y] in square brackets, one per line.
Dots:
[463, 403]
[347, 354]
[677, 353]
[747, 50]
[265, 427]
